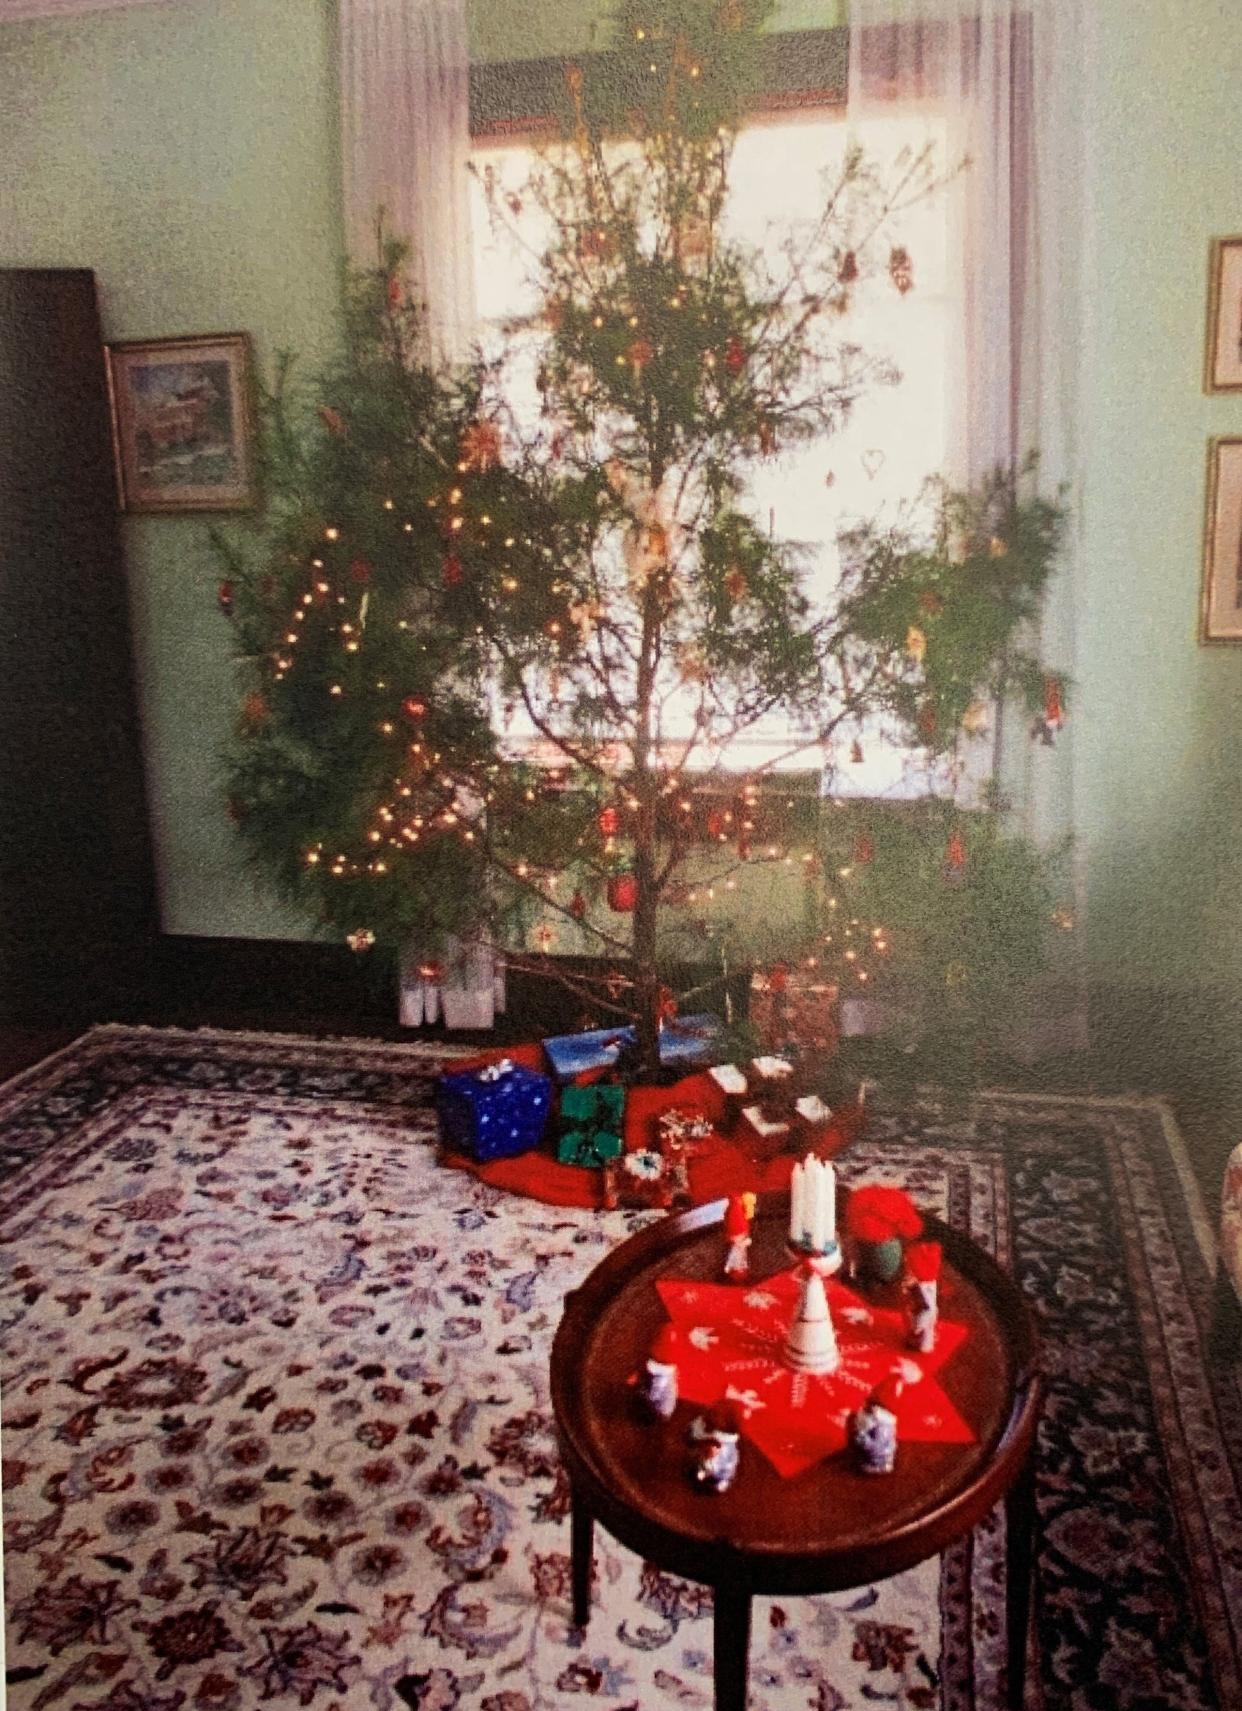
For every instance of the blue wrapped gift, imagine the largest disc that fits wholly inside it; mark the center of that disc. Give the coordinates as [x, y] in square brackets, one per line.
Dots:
[494, 1112]
[685, 1042]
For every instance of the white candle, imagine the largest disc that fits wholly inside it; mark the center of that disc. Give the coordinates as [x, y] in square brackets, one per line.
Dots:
[830, 1204]
[795, 1206]
[819, 1207]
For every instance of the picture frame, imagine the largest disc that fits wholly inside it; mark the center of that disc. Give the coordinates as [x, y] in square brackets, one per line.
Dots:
[1222, 370]
[183, 423]
[1220, 618]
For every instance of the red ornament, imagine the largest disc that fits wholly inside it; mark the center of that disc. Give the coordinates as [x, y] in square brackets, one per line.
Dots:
[847, 272]
[394, 292]
[452, 570]
[360, 570]
[716, 824]
[864, 849]
[1054, 712]
[735, 354]
[622, 893]
[414, 707]
[481, 446]
[778, 979]
[901, 270]
[640, 354]
[224, 598]
[255, 710]
[577, 905]
[609, 822]
[666, 1005]
[736, 585]
[955, 854]
[856, 753]
[926, 721]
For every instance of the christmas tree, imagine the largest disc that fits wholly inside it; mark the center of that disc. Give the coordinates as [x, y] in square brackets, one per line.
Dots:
[444, 574]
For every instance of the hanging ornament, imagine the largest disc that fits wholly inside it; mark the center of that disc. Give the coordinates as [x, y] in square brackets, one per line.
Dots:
[224, 598]
[481, 446]
[451, 570]
[736, 585]
[332, 419]
[864, 849]
[255, 710]
[360, 570]
[901, 270]
[716, 822]
[361, 939]
[609, 822]
[847, 271]
[594, 244]
[666, 1004]
[767, 439]
[394, 292]
[545, 938]
[735, 354]
[916, 644]
[1050, 721]
[622, 893]
[414, 707]
[639, 354]
[955, 853]
[577, 905]
[927, 721]
[856, 753]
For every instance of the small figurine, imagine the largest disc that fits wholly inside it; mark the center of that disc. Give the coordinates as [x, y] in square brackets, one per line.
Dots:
[873, 1427]
[738, 1215]
[658, 1385]
[716, 1452]
[922, 1289]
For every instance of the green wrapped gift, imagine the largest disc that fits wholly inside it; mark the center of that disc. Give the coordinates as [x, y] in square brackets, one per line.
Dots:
[590, 1125]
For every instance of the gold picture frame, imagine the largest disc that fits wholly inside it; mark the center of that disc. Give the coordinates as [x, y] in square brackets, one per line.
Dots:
[183, 423]
[1220, 611]
[1222, 364]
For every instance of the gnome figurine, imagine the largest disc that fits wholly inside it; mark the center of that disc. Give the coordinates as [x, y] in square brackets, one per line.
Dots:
[716, 1452]
[922, 1287]
[738, 1215]
[873, 1427]
[658, 1384]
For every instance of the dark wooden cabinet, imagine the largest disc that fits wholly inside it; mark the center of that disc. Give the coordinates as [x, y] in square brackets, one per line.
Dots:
[78, 915]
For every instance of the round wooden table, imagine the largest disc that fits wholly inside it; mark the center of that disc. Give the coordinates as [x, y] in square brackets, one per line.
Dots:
[830, 1528]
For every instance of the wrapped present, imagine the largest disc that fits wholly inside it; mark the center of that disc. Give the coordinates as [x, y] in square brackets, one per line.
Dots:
[646, 1179]
[731, 1083]
[791, 1007]
[682, 1131]
[812, 1121]
[493, 1112]
[590, 1124]
[685, 1041]
[761, 1135]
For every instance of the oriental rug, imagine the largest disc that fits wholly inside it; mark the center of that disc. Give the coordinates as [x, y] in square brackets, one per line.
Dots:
[277, 1429]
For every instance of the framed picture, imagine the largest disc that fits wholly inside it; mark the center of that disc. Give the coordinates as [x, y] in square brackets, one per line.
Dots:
[1221, 611]
[183, 423]
[1223, 368]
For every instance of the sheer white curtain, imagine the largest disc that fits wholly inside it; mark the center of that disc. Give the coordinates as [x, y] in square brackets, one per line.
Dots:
[405, 145]
[1003, 77]
[405, 149]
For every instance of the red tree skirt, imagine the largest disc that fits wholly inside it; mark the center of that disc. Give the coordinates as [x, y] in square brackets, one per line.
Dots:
[721, 1169]
[733, 1338]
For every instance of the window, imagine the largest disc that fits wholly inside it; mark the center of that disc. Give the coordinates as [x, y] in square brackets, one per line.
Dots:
[895, 438]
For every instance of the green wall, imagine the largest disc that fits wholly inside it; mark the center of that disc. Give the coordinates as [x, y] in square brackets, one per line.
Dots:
[1160, 785]
[188, 154]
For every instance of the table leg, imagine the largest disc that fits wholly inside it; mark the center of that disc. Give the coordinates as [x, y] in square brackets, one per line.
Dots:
[731, 1645]
[582, 1550]
[1019, 1533]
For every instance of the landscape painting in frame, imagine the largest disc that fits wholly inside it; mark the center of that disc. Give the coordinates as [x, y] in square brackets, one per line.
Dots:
[1221, 619]
[183, 424]
[1223, 369]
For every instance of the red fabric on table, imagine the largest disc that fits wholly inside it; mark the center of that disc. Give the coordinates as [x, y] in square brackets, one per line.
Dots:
[731, 1347]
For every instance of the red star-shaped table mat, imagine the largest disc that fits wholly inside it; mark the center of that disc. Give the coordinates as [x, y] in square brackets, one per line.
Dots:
[733, 1337]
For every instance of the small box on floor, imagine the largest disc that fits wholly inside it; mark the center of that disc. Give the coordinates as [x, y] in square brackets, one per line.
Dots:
[494, 1112]
[591, 1120]
[685, 1043]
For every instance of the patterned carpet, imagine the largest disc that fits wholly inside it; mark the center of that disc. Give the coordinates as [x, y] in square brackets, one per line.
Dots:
[276, 1421]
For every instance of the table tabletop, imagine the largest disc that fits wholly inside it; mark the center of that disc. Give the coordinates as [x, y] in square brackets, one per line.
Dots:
[832, 1526]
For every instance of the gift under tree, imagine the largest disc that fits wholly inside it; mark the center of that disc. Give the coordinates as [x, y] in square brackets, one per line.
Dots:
[443, 570]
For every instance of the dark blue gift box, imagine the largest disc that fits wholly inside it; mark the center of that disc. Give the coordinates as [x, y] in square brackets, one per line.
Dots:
[494, 1112]
[686, 1042]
